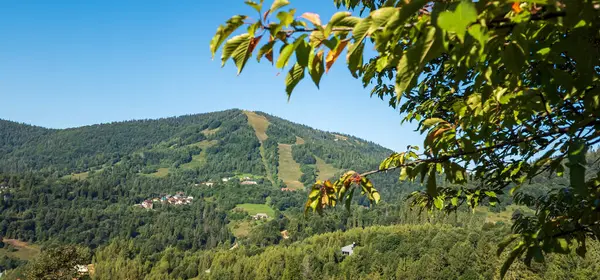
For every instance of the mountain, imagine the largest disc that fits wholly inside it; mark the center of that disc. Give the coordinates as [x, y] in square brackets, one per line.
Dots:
[179, 198]
[85, 185]
[209, 145]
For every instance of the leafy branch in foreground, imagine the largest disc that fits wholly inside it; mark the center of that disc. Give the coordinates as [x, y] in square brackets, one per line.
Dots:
[509, 89]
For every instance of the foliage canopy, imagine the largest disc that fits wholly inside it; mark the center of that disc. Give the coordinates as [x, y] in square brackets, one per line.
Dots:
[504, 91]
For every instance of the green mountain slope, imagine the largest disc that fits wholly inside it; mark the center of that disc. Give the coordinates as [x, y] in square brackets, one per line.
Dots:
[209, 145]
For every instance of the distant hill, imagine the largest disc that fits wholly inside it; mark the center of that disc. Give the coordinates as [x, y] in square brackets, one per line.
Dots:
[210, 145]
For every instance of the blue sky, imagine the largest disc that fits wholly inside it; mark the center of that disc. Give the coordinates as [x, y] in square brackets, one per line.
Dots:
[73, 63]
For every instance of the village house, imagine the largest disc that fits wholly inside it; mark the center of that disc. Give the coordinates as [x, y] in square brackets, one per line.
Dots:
[285, 234]
[287, 190]
[260, 216]
[208, 184]
[249, 183]
[147, 204]
[349, 249]
[226, 179]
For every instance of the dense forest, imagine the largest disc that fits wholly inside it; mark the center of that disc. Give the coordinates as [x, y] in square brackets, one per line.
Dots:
[85, 187]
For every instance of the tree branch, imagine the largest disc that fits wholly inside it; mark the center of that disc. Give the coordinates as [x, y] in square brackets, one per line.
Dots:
[493, 24]
[482, 149]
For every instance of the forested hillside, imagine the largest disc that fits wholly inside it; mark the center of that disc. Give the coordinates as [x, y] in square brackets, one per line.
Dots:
[86, 185]
[108, 187]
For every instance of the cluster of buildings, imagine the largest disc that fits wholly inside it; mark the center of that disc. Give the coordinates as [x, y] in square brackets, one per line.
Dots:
[3, 188]
[260, 216]
[178, 199]
[244, 181]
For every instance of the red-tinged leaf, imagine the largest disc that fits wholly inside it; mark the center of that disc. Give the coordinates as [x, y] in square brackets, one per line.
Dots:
[516, 7]
[253, 42]
[312, 17]
[269, 56]
[334, 54]
[267, 51]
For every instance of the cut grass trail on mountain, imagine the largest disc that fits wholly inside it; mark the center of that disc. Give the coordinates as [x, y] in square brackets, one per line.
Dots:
[260, 125]
[289, 170]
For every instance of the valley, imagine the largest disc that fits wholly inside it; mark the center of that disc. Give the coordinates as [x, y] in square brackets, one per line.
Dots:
[234, 187]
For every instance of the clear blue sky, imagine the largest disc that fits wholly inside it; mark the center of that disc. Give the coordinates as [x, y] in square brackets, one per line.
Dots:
[73, 63]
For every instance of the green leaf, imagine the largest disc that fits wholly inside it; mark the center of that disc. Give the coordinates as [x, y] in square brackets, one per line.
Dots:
[286, 18]
[381, 17]
[478, 32]
[254, 5]
[293, 78]
[349, 199]
[439, 203]
[334, 21]
[359, 33]
[454, 201]
[517, 251]
[303, 53]
[355, 58]
[432, 121]
[414, 59]
[457, 21]
[232, 45]
[514, 57]
[285, 55]
[502, 245]
[490, 194]
[316, 68]
[278, 4]
[288, 50]
[244, 51]
[577, 162]
[224, 31]
[431, 184]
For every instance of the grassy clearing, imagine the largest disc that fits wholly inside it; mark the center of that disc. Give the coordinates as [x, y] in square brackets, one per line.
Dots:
[259, 123]
[254, 209]
[324, 170]
[24, 250]
[200, 159]
[340, 137]
[160, 173]
[78, 176]
[240, 229]
[205, 144]
[504, 216]
[299, 140]
[289, 170]
[210, 132]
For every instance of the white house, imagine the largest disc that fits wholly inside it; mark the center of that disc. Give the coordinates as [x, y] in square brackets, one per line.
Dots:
[348, 249]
